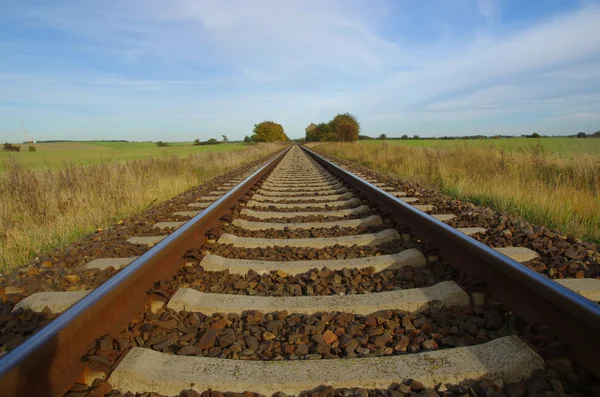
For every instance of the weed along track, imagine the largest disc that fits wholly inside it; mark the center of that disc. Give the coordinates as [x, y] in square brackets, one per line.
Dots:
[304, 278]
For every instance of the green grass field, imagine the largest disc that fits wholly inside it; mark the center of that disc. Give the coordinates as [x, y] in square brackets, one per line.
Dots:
[56, 155]
[561, 145]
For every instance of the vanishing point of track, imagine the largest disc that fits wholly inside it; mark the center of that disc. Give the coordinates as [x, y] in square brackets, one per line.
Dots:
[302, 218]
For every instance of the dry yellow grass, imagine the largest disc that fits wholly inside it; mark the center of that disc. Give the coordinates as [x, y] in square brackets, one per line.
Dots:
[44, 210]
[543, 188]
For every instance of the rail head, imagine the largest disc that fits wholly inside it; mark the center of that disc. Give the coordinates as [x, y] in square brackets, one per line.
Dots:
[530, 295]
[49, 362]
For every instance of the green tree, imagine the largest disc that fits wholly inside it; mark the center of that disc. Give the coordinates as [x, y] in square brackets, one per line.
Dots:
[383, 137]
[225, 139]
[581, 135]
[404, 137]
[196, 142]
[311, 133]
[161, 144]
[325, 132]
[247, 139]
[268, 131]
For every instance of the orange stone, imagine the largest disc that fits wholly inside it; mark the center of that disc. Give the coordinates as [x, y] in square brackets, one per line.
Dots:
[329, 337]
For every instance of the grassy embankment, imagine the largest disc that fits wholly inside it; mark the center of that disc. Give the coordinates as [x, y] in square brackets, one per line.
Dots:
[44, 209]
[553, 182]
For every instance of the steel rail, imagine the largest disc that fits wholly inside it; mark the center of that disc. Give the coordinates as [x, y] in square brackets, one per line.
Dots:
[533, 297]
[49, 362]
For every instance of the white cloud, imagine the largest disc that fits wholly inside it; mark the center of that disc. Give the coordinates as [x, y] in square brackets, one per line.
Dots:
[560, 57]
[221, 66]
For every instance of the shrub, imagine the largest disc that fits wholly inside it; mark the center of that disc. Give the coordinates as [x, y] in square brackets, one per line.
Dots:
[162, 144]
[32, 148]
[196, 142]
[9, 147]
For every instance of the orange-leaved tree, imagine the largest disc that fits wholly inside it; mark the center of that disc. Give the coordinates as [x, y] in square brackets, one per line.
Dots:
[268, 131]
[346, 127]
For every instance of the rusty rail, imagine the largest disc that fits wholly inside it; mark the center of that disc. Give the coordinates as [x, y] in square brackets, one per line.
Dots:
[533, 297]
[49, 362]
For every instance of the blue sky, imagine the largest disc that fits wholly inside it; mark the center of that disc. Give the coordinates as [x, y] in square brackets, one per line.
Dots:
[180, 70]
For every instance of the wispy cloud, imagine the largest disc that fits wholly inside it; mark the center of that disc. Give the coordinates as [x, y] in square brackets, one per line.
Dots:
[197, 69]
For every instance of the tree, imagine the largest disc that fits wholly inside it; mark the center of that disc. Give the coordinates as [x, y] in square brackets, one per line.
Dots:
[536, 135]
[196, 142]
[247, 139]
[311, 133]
[268, 131]
[581, 135]
[383, 137]
[32, 148]
[596, 134]
[345, 127]
[225, 138]
[416, 137]
[161, 144]
[325, 132]
[404, 137]
[345, 130]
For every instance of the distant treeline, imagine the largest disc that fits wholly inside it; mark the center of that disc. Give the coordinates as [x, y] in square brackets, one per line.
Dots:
[534, 135]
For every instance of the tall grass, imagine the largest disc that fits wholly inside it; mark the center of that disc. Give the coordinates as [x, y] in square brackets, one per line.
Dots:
[544, 188]
[44, 210]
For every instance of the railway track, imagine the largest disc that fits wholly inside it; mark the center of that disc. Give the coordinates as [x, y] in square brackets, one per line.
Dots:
[301, 276]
